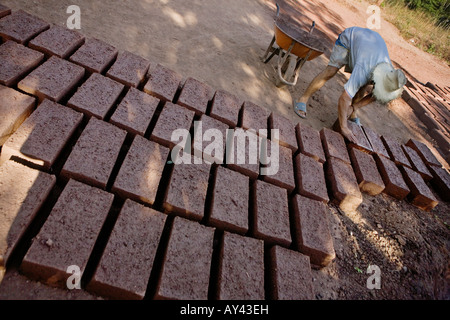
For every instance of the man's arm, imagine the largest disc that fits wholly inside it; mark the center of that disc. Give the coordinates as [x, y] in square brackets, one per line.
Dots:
[344, 110]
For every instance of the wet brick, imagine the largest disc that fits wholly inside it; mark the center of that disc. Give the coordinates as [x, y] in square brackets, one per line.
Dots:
[21, 26]
[312, 230]
[255, 117]
[94, 155]
[135, 111]
[309, 142]
[186, 194]
[129, 69]
[395, 151]
[204, 147]
[16, 61]
[334, 145]
[162, 83]
[310, 178]
[226, 107]
[241, 270]
[127, 261]
[68, 235]
[243, 158]
[96, 96]
[271, 214]
[195, 96]
[287, 265]
[287, 132]
[392, 177]
[362, 142]
[4, 11]
[230, 203]
[187, 263]
[141, 171]
[284, 178]
[53, 80]
[424, 152]
[417, 163]
[344, 186]
[172, 117]
[20, 200]
[441, 182]
[376, 142]
[366, 172]
[420, 195]
[58, 41]
[41, 138]
[95, 55]
[15, 107]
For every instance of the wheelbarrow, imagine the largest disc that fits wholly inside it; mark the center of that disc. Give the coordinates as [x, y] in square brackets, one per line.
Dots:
[294, 46]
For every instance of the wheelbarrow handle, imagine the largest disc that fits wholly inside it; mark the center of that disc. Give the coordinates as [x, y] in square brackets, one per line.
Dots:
[278, 9]
[312, 27]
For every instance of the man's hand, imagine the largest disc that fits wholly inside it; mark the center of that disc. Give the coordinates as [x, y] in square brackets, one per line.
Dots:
[348, 134]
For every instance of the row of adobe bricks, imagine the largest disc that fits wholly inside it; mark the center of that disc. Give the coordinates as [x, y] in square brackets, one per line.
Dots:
[431, 104]
[234, 201]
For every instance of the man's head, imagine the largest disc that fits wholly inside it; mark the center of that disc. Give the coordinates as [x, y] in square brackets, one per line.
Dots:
[388, 81]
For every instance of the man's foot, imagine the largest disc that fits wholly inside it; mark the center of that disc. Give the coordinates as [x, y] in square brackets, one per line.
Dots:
[356, 120]
[300, 109]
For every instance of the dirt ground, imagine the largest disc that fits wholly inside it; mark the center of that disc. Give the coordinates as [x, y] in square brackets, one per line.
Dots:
[221, 43]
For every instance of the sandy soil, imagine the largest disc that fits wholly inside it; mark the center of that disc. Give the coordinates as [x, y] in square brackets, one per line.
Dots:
[221, 43]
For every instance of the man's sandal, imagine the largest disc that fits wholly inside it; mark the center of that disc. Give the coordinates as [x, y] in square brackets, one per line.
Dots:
[356, 120]
[300, 109]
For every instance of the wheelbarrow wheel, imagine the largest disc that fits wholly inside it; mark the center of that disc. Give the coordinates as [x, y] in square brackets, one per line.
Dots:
[287, 71]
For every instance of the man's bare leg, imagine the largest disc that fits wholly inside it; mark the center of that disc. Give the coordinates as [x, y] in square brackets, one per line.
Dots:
[318, 82]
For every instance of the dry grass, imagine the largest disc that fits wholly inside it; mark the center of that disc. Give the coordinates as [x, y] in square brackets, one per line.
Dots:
[420, 29]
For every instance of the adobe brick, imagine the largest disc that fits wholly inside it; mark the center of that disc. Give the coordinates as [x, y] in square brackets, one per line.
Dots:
[95, 55]
[226, 107]
[310, 178]
[254, 117]
[59, 41]
[420, 195]
[392, 178]
[230, 202]
[187, 190]
[68, 235]
[395, 151]
[271, 214]
[195, 95]
[287, 265]
[241, 268]
[20, 201]
[312, 230]
[343, 184]
[366, 172]
[424, 152]
[16, 61]
[95, 153]
[362, 142]
[376, 142]
[417, 163]
[334, 145]
[96, 96]
[129, 69]
[250, 166]
[187, 262]
[284, 178]
[441, 182]
[127, 261]
[4, 11]
[141, 171]
[163, 83]
[21, 26]
[309, 142]
[287, 134]
[200, 147]
[41, 138]
[15, 107]
[172, 117]
[135, 111]
[53, 80]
